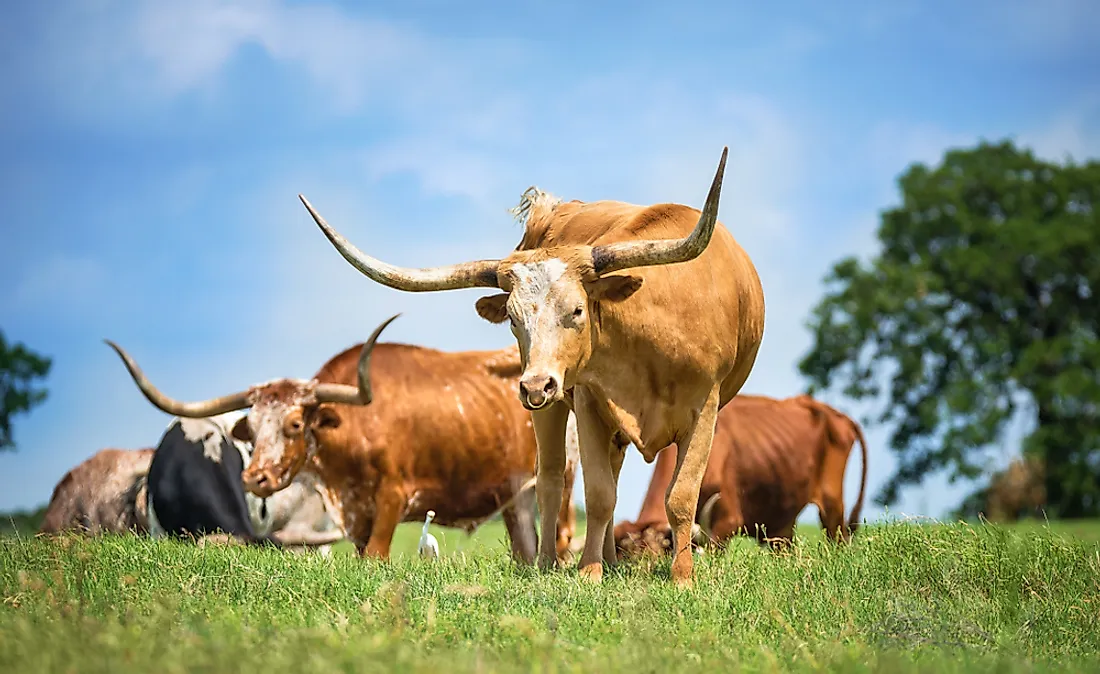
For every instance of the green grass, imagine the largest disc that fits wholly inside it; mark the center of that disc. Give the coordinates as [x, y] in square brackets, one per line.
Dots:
[934, 598]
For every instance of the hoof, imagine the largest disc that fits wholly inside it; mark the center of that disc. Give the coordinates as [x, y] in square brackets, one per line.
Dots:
[592, 573]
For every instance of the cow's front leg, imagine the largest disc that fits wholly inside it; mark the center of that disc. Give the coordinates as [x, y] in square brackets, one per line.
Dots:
[389, 509]
[683, 492]
[549, 426]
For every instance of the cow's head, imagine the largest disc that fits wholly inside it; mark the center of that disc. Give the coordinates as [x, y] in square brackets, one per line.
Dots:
[286, 420]
[549, 293]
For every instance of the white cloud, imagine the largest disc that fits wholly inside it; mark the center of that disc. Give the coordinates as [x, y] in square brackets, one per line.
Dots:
[151, 52]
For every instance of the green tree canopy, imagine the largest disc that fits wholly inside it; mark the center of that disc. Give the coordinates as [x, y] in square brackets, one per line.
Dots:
[19, 368]
[985, 289]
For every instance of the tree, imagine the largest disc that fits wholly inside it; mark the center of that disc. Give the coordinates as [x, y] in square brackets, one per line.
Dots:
[982, 300]
[19, 368]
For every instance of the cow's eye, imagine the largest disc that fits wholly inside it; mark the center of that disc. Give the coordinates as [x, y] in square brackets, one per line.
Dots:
[578, 312]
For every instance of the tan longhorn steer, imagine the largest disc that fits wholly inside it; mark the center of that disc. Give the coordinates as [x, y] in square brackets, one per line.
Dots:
[646, 357]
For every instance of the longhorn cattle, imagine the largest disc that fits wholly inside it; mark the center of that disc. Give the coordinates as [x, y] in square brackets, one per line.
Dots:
[442, 433]
[104, 493]
[646, 358]
[770, 459]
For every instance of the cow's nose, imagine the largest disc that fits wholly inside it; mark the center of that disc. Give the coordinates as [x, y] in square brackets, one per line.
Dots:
[258, 482]
[535, 392]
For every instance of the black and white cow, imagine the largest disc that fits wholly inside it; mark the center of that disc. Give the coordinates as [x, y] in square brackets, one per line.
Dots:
[194, 483]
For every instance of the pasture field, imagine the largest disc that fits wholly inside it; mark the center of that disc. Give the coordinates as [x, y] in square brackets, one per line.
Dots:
[904, 597]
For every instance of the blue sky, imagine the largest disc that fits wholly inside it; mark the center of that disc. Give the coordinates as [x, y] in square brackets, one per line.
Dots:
[153, 151]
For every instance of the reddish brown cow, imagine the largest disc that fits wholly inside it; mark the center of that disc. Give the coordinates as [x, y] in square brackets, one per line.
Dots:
[392, 431]
[104, 493]
[770, 459]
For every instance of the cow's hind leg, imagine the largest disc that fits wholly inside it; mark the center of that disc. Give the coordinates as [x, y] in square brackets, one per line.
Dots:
[682, 497]
[831, 515]
[830, 506]
[567, 515]
[599, 483]
[617, 455]
[519, 520]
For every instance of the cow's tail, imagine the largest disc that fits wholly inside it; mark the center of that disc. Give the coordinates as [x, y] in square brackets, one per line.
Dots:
[857, 509]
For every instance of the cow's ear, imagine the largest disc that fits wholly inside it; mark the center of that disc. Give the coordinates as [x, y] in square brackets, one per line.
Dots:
[493, 308]
[613, 288]
[327, 417]
[241, 431]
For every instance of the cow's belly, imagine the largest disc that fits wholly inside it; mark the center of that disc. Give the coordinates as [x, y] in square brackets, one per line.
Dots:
[772, 506]
[463, 508]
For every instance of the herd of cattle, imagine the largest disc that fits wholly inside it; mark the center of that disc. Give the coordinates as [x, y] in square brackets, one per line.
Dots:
[633, 325]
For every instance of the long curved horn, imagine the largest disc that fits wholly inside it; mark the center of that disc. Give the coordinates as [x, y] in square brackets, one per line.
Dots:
[355, 395]
[482, 273]
[627, 254]
[195, 410]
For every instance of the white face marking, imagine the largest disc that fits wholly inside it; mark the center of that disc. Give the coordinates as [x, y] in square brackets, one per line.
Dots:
[266, 425]
[534, 303]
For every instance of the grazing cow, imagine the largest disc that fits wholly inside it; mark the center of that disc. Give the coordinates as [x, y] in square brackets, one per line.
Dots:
[646, 358]
[104, 493]
[195, 485]
[442, 433]
[770, 459]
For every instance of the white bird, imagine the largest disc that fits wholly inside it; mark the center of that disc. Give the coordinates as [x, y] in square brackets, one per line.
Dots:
[428, 546]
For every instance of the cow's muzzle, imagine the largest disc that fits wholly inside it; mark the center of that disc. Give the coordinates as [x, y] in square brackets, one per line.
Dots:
[536, 392]
[262, 483]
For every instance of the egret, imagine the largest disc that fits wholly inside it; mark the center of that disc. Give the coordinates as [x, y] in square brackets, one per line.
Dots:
[428, 546]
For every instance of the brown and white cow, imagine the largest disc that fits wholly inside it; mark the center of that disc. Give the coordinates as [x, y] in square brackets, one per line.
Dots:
[391, 431]
[646, 358]
[771, 458]
[104, 493]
